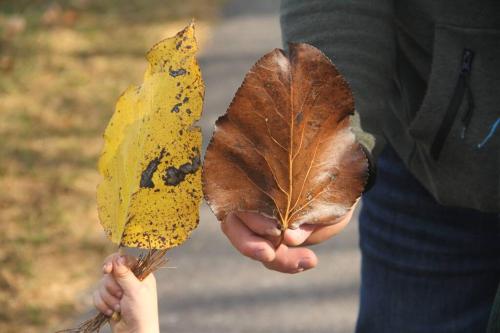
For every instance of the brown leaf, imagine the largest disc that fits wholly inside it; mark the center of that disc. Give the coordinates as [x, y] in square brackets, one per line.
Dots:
[284, 148]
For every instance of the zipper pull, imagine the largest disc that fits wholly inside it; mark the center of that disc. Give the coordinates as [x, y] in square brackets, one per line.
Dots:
[467, 58]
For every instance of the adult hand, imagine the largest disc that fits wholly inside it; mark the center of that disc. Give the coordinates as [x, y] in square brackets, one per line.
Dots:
[255, 236]
[121, 291]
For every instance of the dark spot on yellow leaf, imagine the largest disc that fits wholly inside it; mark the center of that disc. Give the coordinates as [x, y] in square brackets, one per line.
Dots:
[176, 72]
[175, 109]
[147, 174]
[173, 176]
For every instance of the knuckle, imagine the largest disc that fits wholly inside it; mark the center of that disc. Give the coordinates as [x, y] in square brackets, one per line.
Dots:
[98, 302]
[105, 296]
[257, 228]
[110, 301]
[247, 250]
[106, 278]
[109, 283]
[293, 241]
[111, 288]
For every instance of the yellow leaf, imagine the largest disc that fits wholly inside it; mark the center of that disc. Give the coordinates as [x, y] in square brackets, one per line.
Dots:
[151, 191]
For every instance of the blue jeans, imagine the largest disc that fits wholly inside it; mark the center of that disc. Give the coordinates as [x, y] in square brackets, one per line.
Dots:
[426, 268]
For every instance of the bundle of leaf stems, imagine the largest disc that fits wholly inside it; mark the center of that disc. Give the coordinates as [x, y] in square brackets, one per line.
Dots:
[146, 264]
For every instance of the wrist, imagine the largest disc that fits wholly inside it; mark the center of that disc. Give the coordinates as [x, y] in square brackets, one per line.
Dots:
[150, 329]
[151, 326]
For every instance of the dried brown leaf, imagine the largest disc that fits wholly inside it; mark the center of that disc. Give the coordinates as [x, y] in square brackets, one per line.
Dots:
[284, 148]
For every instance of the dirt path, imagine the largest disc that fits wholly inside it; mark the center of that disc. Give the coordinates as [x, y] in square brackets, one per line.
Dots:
[213, 288]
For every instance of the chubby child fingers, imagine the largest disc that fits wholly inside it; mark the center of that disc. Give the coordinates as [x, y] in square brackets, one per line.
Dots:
[111, 301]
[130, 261]
[109, 282]
[101, 305]
[107, 265]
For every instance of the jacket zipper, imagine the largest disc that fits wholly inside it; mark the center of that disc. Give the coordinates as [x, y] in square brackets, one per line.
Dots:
[462, 88]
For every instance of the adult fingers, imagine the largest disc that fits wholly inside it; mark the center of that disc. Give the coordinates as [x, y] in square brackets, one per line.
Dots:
[246, 241]
[101, 305]
[322, 233]
[295, 237]
[292, 260]
[260, 224]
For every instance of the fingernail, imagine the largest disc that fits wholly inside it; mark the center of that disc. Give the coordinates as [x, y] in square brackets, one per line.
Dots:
[305, 263]
[109, 312]
[275, 232]
[121, 261]
[261, 255]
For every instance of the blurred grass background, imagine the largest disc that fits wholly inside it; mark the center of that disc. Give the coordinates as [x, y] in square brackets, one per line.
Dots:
[63, 64]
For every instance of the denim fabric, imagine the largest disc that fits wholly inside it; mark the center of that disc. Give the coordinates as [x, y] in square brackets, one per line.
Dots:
[426, 268]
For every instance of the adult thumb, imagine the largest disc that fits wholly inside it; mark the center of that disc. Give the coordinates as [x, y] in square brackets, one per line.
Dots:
[123, 275]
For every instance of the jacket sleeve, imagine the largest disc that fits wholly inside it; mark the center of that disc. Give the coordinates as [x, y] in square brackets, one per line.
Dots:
[358, 36]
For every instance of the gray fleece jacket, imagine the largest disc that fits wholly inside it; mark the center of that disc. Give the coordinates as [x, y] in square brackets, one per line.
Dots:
[426, 79]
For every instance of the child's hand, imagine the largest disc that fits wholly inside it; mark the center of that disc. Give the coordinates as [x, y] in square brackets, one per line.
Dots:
[121, 291]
